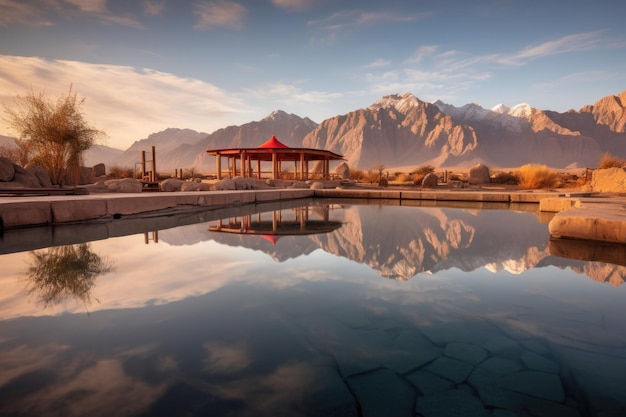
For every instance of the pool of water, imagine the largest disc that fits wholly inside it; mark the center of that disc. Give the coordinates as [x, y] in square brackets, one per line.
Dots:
[331, 309]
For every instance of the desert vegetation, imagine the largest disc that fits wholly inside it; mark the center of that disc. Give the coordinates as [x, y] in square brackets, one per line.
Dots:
[51, 134]
[418, 174]
[611, 161]
[536, 176]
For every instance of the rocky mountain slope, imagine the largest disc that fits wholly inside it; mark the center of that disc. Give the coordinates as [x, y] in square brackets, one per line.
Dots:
[400, 130]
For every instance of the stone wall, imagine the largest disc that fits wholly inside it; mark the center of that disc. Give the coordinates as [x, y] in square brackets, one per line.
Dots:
[610, 180]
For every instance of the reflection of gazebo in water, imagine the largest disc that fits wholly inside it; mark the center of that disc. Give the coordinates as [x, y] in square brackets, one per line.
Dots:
[272, 225]
[275, 152]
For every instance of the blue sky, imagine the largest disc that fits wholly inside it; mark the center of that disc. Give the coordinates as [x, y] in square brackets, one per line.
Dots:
[143, 66]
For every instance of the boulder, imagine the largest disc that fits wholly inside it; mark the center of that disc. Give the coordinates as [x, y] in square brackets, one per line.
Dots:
[479, 174]
[609, 180]
[41, 174]
[196, 186]
[172, 184]
[430, 180]
[86, 176]
[343, 171]
[124, 185]
[317, 185]
[225, 184]
[25, 178]
[7, 171]
[243, 183]
[99, 170]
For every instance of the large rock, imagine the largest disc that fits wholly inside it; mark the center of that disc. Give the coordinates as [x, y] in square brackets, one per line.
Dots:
[343, 171]
[25, 178]
[610, 180]
[479, 174]
[430, 180]
[225, 184]
[7, 171]
[196, 186]
[41, 174]
[99, 170]
[124, 185]
[171, 184]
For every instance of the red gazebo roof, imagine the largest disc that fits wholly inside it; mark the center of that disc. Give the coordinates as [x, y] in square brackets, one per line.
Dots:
[273, 143]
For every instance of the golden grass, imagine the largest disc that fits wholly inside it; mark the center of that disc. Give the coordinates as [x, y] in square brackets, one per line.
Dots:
[611, 161]
[536, 176]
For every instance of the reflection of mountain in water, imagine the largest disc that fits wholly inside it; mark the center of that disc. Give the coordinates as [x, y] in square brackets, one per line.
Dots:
[400, 242]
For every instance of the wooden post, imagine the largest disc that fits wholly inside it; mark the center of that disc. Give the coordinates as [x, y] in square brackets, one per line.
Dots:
[154, 174]
[218, 166]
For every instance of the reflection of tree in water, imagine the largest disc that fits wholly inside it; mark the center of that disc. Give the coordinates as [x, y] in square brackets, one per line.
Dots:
[65, 272]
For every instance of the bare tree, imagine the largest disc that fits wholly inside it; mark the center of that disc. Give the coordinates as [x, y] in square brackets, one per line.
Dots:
[52, 134]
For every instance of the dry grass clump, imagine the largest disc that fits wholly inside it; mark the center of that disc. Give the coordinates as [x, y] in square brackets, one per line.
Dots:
[611, 161]
[536, 176]
[119, 172]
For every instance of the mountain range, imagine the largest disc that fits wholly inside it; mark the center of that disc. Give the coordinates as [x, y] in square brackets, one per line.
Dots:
[401, 130]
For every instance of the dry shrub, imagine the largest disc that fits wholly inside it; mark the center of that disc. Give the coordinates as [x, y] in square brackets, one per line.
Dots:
[419, 173]
[611, 161]
[536, 176]
[119, 172]
[507, 178]
[401, 177]
[357, 175]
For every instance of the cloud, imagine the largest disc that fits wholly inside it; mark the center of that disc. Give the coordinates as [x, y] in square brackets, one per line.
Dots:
[22, 13]
[90, 6]
[566, 44]
[219, 13]
[126, 102]
[153, 8]
[43, 12]
[377, 63]
[296, 5]
[330, 27]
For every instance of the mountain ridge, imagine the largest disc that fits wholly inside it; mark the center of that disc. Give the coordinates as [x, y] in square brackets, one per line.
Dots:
[402, 130]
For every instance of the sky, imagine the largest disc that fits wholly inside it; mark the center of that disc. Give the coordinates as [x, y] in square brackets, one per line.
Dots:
[146, 65]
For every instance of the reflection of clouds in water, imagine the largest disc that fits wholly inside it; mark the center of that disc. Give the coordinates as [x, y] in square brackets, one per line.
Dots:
[225, 358]
[104, 388]
[282, 389]
[23, 359]
[85, 385]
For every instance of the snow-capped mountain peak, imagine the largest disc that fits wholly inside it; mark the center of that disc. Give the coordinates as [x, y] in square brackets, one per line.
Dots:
[401, 102]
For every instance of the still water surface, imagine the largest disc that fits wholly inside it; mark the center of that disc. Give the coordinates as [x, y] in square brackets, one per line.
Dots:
[333, 309]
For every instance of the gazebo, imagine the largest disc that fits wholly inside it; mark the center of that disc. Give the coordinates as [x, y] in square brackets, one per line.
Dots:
[241, 161]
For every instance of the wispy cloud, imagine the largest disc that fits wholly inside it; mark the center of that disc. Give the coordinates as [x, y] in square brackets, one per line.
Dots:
[296, 5]
[17, 12]
[290, 94]
[126, 102]
[377, 63]
[212, 14]
[153, 8]
[46, 13]
[330, 27]
[438, 73]
[566, 44]
[90, 6]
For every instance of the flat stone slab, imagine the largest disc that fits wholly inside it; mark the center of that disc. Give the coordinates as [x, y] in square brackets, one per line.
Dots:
[596, 219]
